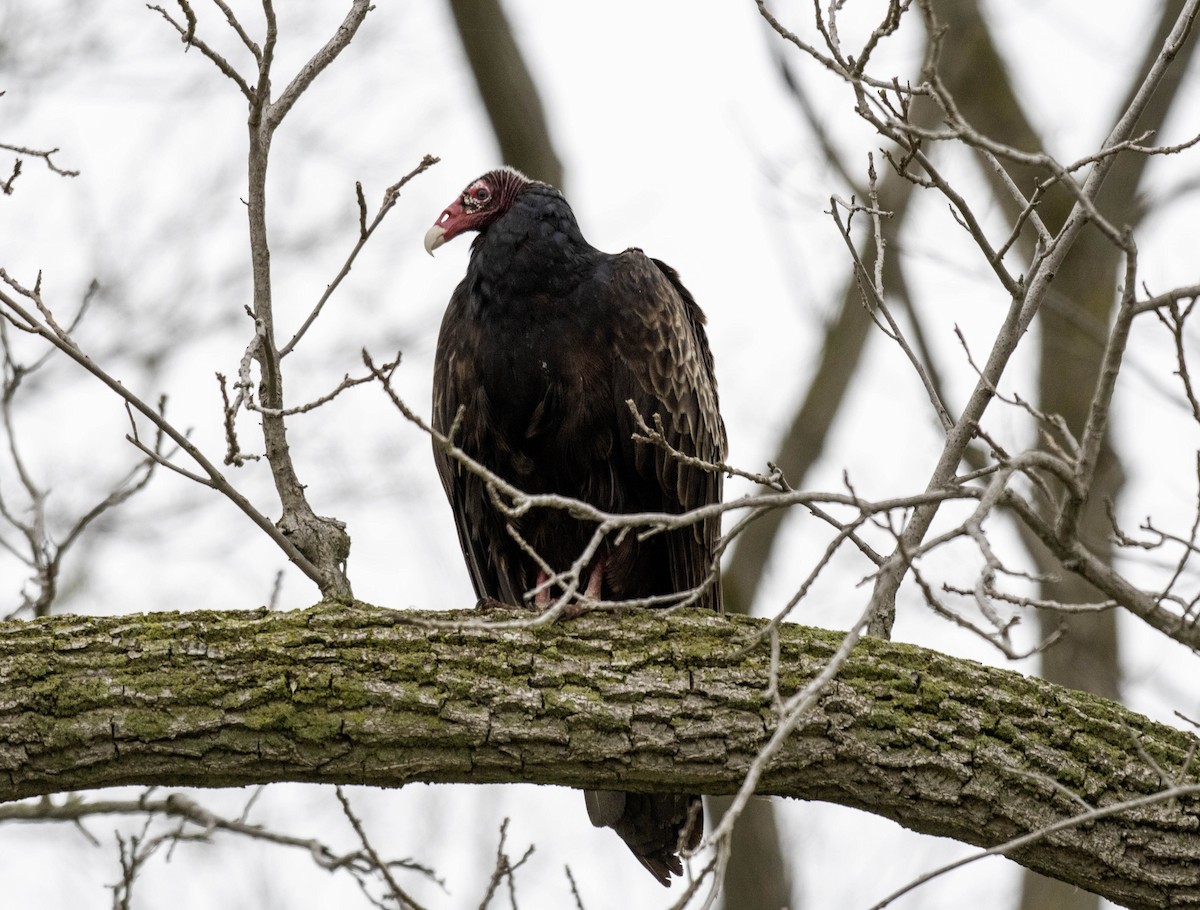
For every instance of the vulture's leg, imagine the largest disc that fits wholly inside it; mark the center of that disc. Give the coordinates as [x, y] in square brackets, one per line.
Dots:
[541, 600]
[595, 583]
[595, 580]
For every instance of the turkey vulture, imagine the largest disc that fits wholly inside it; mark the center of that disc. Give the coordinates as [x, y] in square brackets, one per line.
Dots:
[543, 343]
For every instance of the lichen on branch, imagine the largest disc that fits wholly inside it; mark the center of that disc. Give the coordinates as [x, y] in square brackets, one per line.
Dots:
[644, 701]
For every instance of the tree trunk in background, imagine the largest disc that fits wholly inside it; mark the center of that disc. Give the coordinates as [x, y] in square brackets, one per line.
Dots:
[1072, 345]
[1073, 328]
[990, 103]
[1071, 348]
[759, 875]
[1087, 656]
[507, 89]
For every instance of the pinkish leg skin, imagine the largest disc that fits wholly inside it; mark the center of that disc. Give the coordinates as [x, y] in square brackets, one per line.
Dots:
[541, 599]
[595, 582]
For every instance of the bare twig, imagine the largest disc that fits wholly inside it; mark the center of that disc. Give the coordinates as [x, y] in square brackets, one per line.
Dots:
[390, 196]
[45, 154]
[1175, 317]
[21, 317]
[656, 437]
[504, 870]
[251, 46]
[43, 555]
[398, 894]
[197, 823]
[574, 889]
[1096, 428]
[187, 34]
[317, 63]
[1021, 313]
[877, 303]
[132, 855]
[1190, 292]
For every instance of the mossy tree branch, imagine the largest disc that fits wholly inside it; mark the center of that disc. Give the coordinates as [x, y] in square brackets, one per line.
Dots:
[642, 701]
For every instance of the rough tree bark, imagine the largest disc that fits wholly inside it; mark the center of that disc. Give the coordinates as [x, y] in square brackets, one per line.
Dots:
[643, 701]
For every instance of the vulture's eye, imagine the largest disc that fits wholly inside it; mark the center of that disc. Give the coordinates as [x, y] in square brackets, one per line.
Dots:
[483, 194]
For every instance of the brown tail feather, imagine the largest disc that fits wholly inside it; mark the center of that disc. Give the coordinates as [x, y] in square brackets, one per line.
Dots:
[655, 827]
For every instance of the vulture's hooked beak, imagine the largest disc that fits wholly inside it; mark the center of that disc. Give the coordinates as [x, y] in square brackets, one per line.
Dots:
[434, 238]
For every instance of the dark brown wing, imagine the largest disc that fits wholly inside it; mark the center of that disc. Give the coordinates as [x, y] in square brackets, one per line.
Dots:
[664, 366]
[493, 560]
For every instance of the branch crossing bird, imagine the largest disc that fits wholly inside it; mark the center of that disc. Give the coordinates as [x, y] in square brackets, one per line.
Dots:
[542, 345]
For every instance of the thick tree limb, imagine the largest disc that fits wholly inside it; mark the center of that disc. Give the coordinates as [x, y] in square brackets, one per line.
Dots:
[643, 701]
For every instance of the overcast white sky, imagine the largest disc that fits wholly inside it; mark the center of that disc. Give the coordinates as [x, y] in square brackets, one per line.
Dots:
[677, 137]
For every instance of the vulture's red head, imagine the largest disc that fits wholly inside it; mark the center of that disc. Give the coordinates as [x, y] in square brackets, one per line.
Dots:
[481, 203]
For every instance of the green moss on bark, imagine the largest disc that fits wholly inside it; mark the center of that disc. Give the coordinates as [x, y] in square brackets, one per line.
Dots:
[642, 701]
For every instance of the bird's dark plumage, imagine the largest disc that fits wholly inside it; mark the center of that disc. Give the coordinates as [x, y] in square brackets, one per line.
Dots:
[543, 343]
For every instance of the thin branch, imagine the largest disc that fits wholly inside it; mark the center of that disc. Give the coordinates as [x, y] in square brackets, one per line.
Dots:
[238, 30]
[574, 889]
[138, 849]
[1096, 571]
[836, 64]
[45, 555]
[402, 898]
[25, 320]
[1189, 292]
[390, 196]
[1095, 430]
[44, 154]
[341, 39]
[188, 36]
[1020, 315]
[878, 305]
[348, 382]
[233, 450]
[1175, 317]
[504, 870]
[656, 437]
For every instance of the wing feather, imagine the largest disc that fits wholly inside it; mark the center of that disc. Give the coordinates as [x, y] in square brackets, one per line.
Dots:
[490, 555]
[663, 364]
